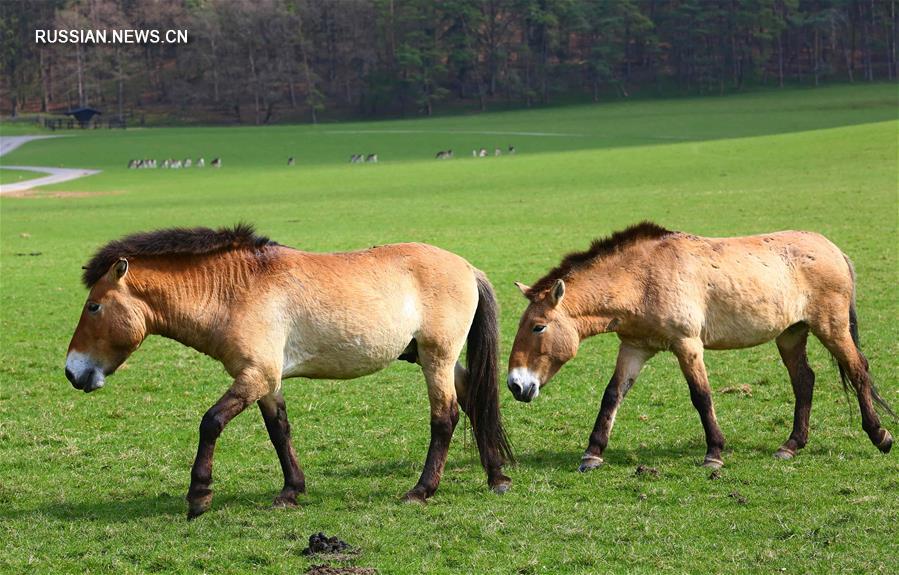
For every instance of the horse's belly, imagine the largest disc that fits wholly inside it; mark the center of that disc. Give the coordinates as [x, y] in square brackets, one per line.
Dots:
[733, 326]
[341, 355]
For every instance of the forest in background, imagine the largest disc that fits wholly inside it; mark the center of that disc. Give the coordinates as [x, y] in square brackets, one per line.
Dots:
[264, 61]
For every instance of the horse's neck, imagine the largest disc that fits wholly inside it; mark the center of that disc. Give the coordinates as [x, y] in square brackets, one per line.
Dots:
[598, 296]
[189, 306]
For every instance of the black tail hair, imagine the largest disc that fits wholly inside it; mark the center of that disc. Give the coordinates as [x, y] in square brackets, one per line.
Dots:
[482, 390]
[853, 331]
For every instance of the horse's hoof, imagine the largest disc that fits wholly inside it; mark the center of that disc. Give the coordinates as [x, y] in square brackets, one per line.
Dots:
[500, 488]
[713, 463]
[784, 454]
[589, 463]
[194, 510]
[198, 506]
[886, 443]
[284, 501]
[414, 496]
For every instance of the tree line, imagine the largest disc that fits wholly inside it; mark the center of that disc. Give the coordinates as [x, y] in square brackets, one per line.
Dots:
[259, 61]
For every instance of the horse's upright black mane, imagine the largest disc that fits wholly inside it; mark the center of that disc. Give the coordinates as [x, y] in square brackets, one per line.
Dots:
[173, 241]
[600, 247]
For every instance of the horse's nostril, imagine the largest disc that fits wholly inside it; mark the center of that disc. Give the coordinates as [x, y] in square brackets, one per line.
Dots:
[69, 375]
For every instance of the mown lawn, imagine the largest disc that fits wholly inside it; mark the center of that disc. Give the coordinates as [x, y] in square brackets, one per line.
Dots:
[95, 483]
[8, 176]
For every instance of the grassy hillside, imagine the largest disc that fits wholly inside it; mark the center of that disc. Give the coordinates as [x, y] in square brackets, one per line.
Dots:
[96, 483]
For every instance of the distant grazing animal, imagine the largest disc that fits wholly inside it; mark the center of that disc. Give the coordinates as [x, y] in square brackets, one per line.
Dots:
[176, 164]
[662, 290]
[291, 161]
[482, 153]
[497, 152]
[372, 158]
[216, 163]
[444, 154]
[511, 149]
[166, 163]
[132, 164]
[187, 163]
[356, 158]
[201, 163]
[298, 314]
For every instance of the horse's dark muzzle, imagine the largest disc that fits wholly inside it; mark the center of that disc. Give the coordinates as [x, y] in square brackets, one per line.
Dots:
[89, 380]
[524, 395]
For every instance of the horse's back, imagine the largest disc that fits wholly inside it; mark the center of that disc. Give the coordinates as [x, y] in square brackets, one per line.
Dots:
[744, 291]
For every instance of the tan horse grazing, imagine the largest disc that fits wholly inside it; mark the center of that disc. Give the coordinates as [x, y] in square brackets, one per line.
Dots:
[662, 290]
[269, 312]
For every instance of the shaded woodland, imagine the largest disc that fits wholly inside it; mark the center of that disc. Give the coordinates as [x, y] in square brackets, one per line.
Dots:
[263, 61]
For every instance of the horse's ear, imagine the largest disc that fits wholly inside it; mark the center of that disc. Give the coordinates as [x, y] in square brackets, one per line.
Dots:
[523, 288]
[119, 269]
[557, 292]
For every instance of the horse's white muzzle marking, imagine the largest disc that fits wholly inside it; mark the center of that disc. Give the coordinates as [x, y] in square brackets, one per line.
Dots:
[523, 384]
[83, 372]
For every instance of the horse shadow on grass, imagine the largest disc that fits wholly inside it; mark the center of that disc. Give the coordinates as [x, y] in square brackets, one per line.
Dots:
[118, 509]
[124, 510]
[624, 456]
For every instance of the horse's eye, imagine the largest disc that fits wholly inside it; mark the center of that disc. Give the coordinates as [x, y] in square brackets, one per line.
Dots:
[93, 307]
[539, 328]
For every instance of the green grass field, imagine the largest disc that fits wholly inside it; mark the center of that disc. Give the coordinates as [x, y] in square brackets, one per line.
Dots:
[96, 483]
[8, 176]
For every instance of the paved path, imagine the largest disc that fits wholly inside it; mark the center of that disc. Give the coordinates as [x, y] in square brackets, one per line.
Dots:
[57, 175]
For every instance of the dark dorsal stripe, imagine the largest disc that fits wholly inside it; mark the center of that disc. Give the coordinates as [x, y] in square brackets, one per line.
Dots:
[599, 248]
[173, 241]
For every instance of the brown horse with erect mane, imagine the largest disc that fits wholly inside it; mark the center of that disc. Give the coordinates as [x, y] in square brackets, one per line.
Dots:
[662, 290]
[268, 312]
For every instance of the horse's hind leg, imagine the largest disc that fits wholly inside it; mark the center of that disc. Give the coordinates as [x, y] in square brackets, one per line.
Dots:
[439, 374]
[792, 347]
[274, 413]
[854, 367]
[689, 354]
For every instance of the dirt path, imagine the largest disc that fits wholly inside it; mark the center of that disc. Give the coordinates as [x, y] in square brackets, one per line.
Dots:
[57, 175]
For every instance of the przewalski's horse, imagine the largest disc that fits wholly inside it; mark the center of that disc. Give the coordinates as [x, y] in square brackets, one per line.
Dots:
[663, 290]
[270, 312]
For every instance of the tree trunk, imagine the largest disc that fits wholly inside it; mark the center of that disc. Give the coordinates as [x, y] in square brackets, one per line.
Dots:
[892, 42]
[873, 28]
[256, 97]
[780, 60]
[215, 71]
[120, 86]
[311, 99]
[815, 54]
[43, 67]
[79, 59]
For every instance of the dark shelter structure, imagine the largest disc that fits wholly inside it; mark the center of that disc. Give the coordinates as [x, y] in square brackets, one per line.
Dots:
[83, 115]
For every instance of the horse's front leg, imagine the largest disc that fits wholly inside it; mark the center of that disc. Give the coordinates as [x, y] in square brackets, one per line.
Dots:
[274, 413]
[247, 389]
[627, 367]
[444, 416]
[689, 354]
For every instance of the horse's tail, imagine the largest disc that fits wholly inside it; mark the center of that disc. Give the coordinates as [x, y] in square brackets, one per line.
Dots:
[853, 331]
[482, 390]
